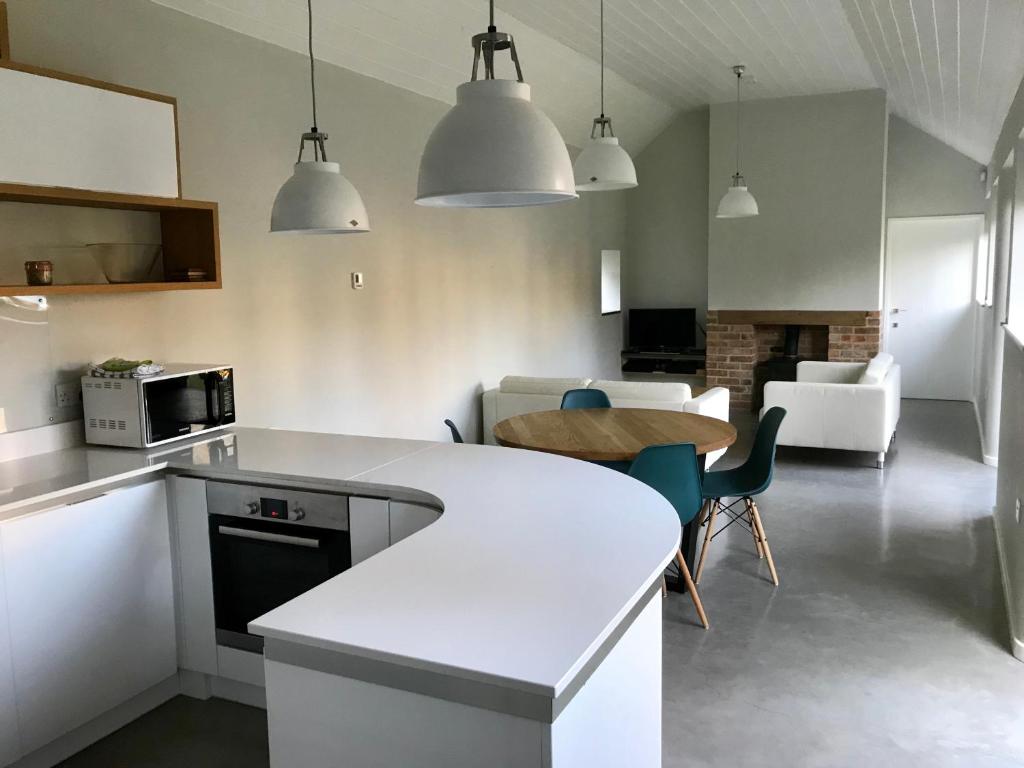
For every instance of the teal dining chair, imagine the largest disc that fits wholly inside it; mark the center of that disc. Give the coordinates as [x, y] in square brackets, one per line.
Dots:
[456, 435]
[592, 398]
[585, 398]
[742, 484]
[673, 472]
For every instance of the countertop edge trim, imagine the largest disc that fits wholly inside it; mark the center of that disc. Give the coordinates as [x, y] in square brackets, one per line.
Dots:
[474, 693]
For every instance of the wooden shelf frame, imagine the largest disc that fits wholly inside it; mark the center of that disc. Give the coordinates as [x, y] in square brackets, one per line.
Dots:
[190, 232]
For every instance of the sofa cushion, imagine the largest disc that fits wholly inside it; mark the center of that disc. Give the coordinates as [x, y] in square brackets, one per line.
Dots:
[648, 391]
[876, 370]
[534, 385]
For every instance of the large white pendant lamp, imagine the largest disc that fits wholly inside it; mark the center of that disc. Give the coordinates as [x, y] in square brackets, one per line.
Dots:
[317, 199]
[494, 148]
[737, 203]
[603, 165]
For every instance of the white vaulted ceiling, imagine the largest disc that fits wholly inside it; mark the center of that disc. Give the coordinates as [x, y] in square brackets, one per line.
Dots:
[950, 67]
[683, 50]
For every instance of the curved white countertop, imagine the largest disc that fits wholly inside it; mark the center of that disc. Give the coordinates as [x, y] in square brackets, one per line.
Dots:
[534, 564]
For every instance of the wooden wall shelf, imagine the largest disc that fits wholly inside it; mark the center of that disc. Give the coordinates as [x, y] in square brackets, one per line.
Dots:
[189, 232]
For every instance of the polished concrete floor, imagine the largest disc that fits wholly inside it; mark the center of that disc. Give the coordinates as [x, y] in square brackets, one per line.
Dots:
[885, 645]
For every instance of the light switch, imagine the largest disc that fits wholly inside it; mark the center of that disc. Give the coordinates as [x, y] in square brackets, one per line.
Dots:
[357, 280]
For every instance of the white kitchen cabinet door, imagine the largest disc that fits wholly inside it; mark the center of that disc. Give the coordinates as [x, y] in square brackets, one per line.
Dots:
[408, 518]
[60, 132]
[91, 607]
[10, 748]
[197, 627]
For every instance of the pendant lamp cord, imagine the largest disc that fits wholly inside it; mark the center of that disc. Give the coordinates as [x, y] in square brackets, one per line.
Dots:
[312, 73]
[602, 58]
[739, 76]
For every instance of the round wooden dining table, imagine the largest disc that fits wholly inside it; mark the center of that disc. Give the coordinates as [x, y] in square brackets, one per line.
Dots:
[611, 434]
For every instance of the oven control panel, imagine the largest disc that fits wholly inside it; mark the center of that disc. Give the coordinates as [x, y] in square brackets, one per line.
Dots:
[288, 505]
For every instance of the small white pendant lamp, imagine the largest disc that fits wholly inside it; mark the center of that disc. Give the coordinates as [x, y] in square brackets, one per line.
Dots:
[494, 148]
[603, 166]
[737, 203]
[317, 199]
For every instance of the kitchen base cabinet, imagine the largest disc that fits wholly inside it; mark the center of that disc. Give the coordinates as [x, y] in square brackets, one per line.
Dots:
[197, 631]
[90, 608]
[10, 747]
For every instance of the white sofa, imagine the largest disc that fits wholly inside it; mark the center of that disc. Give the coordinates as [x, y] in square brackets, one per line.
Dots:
[851, 406]
[516, 395]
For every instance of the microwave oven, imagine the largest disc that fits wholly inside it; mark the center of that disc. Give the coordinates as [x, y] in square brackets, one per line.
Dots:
[181, 401]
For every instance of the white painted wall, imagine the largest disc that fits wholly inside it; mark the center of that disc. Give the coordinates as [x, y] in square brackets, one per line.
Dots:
[816, 165]
[666, 264]
[925, 177]
[1010, 488]
[453, 300]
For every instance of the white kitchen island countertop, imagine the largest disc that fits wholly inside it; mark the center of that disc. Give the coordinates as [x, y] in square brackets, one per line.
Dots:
[534, 563]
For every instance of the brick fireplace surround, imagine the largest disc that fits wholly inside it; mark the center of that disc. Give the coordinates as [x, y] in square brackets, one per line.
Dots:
[739, 339]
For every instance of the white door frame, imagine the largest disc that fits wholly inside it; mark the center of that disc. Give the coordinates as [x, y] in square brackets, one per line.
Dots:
[887, 275]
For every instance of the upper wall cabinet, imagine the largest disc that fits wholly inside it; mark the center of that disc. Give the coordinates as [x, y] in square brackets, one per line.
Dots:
[72, 141]
[59, 131]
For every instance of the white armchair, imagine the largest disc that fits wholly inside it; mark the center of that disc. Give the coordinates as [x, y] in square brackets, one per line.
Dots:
[849, 406]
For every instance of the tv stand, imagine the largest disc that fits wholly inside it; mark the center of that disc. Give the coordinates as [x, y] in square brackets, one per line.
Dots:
[659, 361]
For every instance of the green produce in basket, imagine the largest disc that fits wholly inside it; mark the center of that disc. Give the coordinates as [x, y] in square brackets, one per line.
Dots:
[117, 365]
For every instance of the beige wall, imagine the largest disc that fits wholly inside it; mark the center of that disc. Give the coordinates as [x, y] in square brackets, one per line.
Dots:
[666, 263]
[926, 177]
[816, 165]
[453, 299]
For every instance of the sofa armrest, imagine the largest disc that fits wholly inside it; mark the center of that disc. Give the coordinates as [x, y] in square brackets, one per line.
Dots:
[805, 411]
[821, 372]
[489, 408]
[713, 403]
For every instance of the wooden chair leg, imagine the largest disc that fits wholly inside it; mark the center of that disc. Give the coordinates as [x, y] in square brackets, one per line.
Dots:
[753, 529]
[712, 514]
[764, 542]
[691, 588]
[705, 512]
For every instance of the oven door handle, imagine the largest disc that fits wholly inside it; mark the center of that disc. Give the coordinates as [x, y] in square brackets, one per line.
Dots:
[276, 538]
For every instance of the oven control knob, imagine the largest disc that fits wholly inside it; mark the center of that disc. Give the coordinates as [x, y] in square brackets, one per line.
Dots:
[252, 507]
[298, 514]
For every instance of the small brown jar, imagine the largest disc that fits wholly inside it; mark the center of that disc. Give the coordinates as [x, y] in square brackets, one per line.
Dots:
[39, 272]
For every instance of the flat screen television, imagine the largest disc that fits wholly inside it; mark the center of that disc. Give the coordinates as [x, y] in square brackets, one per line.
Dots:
[662, 330]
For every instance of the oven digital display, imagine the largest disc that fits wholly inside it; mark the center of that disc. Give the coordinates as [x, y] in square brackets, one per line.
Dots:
[275, 508]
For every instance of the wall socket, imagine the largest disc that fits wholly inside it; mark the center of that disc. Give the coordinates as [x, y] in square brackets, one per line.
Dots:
[1018, 510]
[357, 280]
[69, 394]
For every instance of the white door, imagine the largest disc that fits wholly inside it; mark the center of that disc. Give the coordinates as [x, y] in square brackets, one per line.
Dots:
[930, 303]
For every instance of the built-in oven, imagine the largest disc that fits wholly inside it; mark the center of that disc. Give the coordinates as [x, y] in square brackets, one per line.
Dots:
[267, 546]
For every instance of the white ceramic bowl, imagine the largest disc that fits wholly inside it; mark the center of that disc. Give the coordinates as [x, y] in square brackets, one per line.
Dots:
[126, 262]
